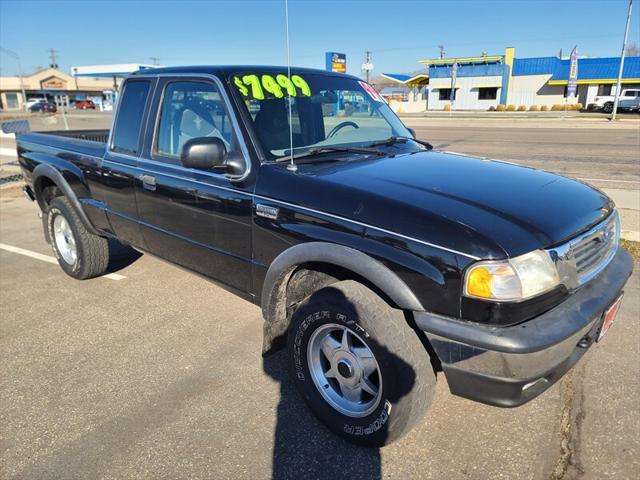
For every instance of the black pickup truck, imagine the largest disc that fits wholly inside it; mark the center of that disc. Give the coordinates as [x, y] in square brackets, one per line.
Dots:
[376, 259]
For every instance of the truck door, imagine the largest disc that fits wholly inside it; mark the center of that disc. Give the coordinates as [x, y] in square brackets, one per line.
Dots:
[195, 218]
[119, 167]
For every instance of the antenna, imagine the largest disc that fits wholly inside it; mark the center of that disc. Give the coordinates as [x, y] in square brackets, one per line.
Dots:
[292, 166]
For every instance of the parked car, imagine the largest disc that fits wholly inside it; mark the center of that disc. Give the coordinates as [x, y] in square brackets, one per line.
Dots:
[85, 105]
[32, 101]
[629, 101]
[378, 261]
[44, 107]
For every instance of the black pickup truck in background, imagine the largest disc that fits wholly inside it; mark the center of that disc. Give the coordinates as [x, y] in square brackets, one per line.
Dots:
[378, 260]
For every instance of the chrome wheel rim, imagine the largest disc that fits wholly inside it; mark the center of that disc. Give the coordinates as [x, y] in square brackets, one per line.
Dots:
[344, 370]
[65, 241]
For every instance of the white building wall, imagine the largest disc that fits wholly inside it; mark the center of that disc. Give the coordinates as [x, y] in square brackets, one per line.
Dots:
[530, 90]
[466, 93]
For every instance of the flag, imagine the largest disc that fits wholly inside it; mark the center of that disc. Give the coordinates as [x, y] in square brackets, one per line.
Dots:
[454, 74]
[572, 83]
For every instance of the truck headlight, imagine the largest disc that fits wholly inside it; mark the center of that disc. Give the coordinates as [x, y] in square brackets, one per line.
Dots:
[511, 280]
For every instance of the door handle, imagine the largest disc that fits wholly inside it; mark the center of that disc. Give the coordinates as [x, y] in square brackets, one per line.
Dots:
[148, 182]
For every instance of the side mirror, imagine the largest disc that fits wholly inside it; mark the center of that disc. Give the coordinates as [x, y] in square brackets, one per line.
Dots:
[412, 132]
[204, 153]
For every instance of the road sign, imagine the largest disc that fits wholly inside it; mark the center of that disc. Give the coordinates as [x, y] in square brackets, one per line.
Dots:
[336, 62]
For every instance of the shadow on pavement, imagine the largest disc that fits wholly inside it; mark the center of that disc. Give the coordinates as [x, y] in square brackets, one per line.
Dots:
[121, 256]
[303, 447]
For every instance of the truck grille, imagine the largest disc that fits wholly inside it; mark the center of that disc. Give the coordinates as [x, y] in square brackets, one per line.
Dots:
[593, 252]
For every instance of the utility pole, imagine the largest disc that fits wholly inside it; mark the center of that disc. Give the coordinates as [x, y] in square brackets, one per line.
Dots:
[442, 52]
[15, 56]
[52, 56]
[155, 60]
[367, 66]
[624, 46]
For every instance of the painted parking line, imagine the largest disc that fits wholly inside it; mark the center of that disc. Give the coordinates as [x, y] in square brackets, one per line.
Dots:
[47, 258]
[607, 180]
[8, 152]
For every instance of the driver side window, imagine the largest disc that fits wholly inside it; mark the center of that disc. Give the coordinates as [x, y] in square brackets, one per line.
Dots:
[191, 110]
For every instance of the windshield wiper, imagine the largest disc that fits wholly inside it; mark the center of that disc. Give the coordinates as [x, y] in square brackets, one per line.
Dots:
[397, 139]
[321, 150]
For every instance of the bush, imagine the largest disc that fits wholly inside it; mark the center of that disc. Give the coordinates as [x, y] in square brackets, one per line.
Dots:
[492, 108]
[511, 108]
[447, 107]
[578, 106]
[557, 107]
[544, 108]
[533, 108]
[522, 108]
[500, 108]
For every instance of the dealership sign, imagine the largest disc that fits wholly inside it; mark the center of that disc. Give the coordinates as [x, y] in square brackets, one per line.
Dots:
[53, 83]
[572, 84]
[336, 62]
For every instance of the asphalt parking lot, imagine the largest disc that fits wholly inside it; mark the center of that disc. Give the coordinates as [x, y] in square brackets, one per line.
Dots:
[159, 375]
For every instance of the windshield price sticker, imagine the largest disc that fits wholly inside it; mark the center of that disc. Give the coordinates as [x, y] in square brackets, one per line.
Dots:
[370, 90]
[259, 87]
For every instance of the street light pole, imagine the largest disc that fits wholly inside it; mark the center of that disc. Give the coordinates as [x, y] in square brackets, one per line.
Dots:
[624, 46]
[15, 56]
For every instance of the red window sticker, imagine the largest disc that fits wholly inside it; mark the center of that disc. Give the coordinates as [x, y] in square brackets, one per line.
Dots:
[370, 90]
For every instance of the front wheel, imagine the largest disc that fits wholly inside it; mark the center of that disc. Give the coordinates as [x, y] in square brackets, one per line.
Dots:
[608, 107]
[359, 366]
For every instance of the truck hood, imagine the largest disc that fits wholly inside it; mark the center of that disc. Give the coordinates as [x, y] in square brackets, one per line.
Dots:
[481, 207]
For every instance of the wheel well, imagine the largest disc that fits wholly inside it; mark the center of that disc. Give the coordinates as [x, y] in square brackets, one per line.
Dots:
[301, 281]
[310, 277]
[47, 190]
[296, 285]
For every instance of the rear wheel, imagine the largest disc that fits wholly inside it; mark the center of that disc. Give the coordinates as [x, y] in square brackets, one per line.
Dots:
[80, 253]
[608, 107]
[359, 366]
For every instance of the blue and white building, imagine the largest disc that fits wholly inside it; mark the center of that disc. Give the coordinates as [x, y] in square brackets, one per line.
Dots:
[487, 81]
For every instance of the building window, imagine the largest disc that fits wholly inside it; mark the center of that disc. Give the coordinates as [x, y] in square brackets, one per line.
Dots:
[12, 101]
[488, 93]
[604, 90]
[444, 94]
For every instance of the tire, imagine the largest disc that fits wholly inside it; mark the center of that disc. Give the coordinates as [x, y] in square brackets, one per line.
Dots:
[67, 232]
[399, 391]
[607, 107]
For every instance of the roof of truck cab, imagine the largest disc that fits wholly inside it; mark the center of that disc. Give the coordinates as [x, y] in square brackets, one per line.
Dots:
[225, 70]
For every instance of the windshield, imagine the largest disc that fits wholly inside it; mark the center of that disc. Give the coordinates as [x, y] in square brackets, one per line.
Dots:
[326, 111]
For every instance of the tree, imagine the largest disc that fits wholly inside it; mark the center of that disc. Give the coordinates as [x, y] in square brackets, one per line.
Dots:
[632, 50]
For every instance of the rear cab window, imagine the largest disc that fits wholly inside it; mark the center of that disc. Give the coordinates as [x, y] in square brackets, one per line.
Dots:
[128, 124]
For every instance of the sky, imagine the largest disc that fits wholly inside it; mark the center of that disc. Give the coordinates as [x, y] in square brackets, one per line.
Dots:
[398, 33]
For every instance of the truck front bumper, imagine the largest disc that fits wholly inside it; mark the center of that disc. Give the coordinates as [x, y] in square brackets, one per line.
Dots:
[508, 366]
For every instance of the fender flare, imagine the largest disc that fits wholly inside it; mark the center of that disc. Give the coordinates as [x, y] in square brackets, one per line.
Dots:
[47, 171]
[274, 310]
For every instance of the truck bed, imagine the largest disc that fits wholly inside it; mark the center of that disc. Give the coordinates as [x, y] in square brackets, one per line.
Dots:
[87, 142]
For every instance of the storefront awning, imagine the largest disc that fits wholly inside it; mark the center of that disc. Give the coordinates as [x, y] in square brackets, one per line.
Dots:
[595, 81]
[410, 81]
